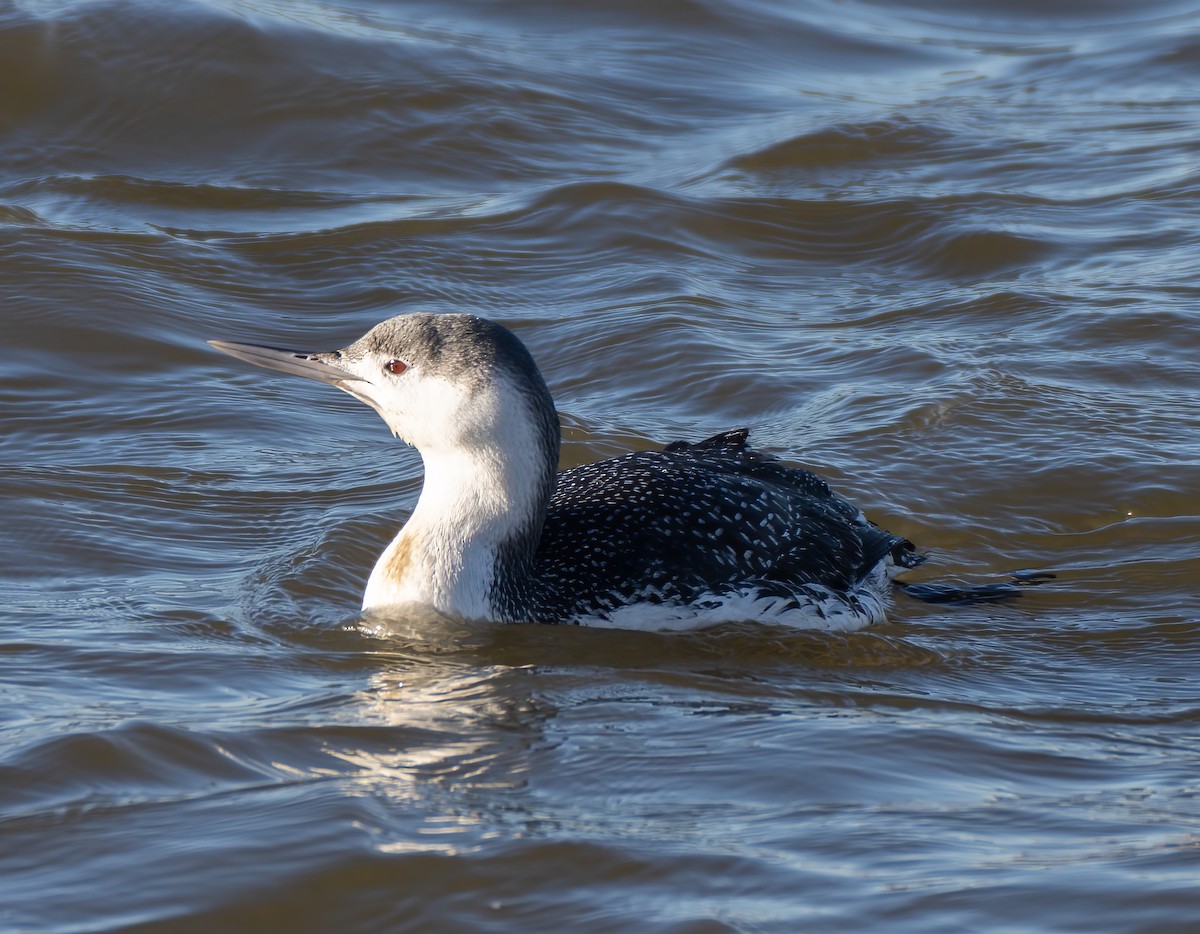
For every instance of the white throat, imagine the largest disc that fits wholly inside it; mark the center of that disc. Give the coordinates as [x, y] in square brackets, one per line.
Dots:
[477, 496]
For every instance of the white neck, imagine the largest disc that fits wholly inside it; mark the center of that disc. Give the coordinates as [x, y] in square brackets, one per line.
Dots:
[473, 503]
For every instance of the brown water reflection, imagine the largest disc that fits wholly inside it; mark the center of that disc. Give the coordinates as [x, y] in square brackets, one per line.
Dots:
[945, 256]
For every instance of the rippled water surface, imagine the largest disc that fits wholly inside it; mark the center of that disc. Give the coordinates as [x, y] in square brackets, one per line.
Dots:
[945, 253]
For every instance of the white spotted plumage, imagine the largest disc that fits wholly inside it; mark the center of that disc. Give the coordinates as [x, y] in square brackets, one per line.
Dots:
[687, 536]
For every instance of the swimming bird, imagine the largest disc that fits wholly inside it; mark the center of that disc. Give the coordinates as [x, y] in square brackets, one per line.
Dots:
[686, 536]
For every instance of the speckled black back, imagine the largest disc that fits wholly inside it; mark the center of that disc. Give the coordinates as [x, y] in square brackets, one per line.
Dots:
[692, 520]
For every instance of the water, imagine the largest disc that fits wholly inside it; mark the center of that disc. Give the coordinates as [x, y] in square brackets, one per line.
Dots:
[946, 254]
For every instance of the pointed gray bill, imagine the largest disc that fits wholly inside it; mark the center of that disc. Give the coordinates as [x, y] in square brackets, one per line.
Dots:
[291, 362]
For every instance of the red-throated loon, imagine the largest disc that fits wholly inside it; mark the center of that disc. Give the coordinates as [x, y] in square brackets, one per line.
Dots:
[688, 536]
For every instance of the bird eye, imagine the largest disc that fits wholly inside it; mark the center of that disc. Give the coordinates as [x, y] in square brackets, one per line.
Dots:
[395, 367]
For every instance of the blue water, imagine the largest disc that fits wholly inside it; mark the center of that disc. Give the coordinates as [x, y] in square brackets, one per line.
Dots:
[945, 255]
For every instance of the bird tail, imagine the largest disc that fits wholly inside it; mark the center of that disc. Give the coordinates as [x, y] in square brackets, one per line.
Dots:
[957, 594]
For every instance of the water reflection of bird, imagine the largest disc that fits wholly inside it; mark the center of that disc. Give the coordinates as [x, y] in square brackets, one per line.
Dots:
[687, 536]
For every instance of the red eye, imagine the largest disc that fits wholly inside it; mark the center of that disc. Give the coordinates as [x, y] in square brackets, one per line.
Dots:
[396, 367]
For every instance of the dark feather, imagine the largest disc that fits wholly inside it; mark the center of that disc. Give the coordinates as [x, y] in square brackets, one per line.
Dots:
[693, 519]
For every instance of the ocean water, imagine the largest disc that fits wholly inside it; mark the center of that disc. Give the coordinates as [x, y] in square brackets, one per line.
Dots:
[945, 254]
